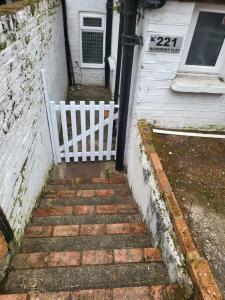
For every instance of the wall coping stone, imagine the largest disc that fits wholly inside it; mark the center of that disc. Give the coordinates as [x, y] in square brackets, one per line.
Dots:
[14, 7]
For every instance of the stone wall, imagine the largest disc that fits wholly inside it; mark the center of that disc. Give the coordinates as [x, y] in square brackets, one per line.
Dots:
[31, 38]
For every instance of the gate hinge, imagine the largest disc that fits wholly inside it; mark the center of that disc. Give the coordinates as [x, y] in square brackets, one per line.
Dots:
[132, 40]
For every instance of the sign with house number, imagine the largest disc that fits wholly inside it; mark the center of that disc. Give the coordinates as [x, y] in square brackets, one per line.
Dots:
[165, 43]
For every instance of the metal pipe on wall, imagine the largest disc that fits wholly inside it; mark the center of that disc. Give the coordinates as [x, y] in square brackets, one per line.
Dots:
[129, 41]
[119, 56]
[108, 44]
[67, 47]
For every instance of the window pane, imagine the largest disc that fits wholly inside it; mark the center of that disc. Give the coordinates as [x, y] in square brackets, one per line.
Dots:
[92, 45]
[92, 22]
[207, 39]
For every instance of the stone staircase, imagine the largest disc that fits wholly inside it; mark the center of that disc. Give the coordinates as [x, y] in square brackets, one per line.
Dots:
[87, 241]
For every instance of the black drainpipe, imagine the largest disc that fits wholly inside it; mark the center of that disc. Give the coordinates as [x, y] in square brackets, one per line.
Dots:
[67, 46]
[119, 56]
[108, 44]
[129, 40]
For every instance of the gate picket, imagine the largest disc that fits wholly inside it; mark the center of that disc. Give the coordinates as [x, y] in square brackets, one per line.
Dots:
[101, 130]
[105, 148]
[110, 131]
[64, 130]
[74, 131]
[92, 130]
[55, 131]
[83, 130]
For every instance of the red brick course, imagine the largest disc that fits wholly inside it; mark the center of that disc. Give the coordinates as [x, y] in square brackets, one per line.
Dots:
[171, 292]
[87, 257]
[52, 193]
[75, 181]
[206, 285]
[87, 229]
[86, 209]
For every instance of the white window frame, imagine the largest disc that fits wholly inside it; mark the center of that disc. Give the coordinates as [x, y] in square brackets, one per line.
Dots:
[219, 66]
[92, 29]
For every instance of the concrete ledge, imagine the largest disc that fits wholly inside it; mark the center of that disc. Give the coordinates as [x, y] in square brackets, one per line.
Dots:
[192, 83]
[201, 274]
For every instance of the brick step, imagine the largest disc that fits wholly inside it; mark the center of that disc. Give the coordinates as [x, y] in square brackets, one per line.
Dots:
[87, 219]
[160, 292]
[86, 277]
[86, 186]
[52, 194]
[86, 230]
[85, 258]
[86, 201]
[86, 210]
[101, 180]
[79, 243]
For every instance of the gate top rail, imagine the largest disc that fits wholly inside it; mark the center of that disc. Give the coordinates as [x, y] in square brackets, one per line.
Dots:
[89, 106]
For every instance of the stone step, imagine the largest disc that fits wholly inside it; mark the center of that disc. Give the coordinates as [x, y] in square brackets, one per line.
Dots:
[86, 219]
[79, 243]
[101, 180]
[86, 210]
[160, 292]
[86, 201]
[86, 277]
[85, 258]
[85, 229]
[52, 194]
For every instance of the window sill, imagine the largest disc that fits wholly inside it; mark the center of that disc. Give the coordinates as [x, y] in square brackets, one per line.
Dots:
[193, 83]
[92, 66]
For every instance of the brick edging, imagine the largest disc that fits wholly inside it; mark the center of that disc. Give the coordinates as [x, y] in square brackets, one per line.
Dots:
[201, 274]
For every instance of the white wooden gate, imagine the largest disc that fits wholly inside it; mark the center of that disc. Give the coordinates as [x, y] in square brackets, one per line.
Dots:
[83, 131]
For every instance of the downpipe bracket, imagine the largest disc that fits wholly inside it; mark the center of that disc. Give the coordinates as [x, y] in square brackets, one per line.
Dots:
[132, 40]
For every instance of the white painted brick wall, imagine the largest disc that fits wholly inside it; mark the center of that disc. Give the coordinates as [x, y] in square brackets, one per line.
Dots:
[86, 76]
[31, 39]
[154, 99]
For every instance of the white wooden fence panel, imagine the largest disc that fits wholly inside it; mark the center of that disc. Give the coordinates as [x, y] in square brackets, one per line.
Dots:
[87, 133]
[74, 131]
[76, 148]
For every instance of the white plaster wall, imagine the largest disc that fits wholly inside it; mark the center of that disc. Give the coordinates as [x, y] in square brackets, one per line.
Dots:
[86, 76]
[155, 100]
[146, 193]
[31, 39]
